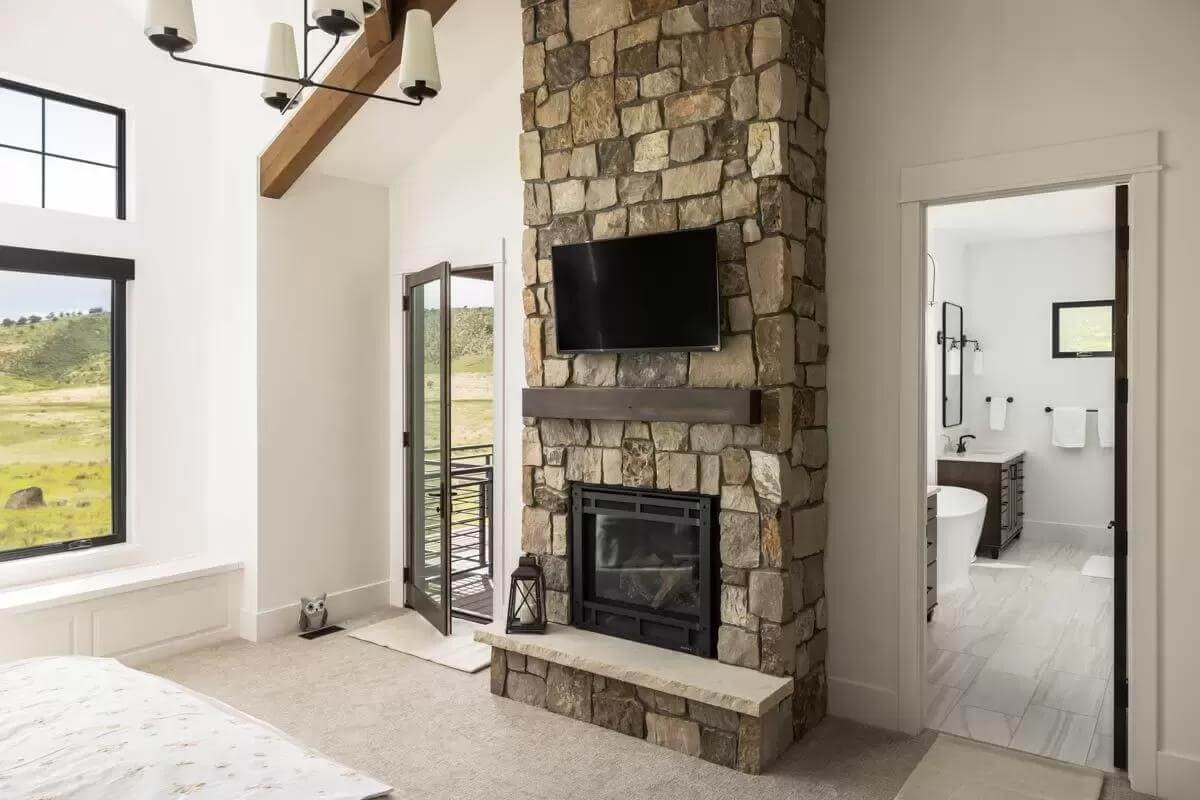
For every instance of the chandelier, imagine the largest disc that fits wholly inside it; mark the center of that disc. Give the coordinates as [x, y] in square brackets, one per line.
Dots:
[171, 26]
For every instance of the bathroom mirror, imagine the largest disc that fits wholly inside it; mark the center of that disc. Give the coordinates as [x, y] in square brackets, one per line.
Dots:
[952, 364]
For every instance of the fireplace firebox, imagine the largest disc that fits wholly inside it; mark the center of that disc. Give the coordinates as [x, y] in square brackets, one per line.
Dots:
[645, 566]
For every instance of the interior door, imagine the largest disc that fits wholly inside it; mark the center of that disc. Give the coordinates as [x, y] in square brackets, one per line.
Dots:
[1120, 484]
[427, 443]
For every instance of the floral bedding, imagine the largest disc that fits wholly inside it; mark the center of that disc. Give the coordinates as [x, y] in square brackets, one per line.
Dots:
[74, 728]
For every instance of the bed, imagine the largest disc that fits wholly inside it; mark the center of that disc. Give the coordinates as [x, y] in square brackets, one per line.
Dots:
[74, 728]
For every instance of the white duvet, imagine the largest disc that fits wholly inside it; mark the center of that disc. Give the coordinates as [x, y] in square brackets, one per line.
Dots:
[76, 728]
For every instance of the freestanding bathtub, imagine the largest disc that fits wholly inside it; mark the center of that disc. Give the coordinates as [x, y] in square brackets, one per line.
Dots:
[960, 515]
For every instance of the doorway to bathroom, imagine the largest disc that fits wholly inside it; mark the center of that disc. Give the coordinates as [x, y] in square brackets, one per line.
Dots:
[1025, 354]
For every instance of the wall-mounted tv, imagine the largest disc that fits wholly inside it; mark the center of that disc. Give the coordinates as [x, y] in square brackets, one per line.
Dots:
[658, 292]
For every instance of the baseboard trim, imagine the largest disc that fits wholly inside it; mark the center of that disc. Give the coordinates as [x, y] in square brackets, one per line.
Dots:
[343, 605]
[864, 702]
[1178, 776]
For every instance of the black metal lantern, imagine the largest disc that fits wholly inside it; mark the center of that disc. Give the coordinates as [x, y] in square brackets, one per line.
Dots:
[527, 598]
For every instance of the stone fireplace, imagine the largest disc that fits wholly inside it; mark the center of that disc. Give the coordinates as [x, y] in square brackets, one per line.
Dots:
[646, 116]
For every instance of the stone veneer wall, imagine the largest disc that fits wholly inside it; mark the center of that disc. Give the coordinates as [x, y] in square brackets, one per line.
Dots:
[645, 116]
[724, 737]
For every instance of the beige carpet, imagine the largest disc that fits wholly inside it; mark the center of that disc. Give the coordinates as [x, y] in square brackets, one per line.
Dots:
[410, 633]
[437, 733]
[959, 769]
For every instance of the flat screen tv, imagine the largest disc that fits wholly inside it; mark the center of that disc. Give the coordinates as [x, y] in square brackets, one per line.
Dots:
[658, 292]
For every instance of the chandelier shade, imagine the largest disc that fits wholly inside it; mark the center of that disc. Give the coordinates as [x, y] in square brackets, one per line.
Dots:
[420, 77]
[370, 7]
[171, 25]
[339, 17]
[281, 61]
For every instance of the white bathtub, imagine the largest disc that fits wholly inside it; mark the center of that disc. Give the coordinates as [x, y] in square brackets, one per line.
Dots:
[960, 515]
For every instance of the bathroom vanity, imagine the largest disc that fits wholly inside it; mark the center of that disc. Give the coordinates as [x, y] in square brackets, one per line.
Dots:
[999, 475]
[931, 592]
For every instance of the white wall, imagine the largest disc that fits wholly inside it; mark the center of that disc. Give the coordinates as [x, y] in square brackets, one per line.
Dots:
[192, 146]
[926, 81]
[1011, 285]
[458, 197]
[322, 399]
[949, 251]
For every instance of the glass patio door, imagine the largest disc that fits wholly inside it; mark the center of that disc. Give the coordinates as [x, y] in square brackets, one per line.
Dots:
[427, 442]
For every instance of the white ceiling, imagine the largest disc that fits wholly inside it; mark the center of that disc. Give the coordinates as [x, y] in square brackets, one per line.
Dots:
[479, 45]
[1033, 216]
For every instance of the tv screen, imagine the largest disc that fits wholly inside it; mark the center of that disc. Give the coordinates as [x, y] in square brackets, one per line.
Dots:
[658, 292]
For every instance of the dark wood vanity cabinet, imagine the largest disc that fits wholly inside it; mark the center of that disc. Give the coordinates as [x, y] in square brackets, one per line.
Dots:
[1003, 484]
[931, 598]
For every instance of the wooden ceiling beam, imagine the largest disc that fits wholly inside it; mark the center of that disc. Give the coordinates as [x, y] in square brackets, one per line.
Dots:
[365, 66]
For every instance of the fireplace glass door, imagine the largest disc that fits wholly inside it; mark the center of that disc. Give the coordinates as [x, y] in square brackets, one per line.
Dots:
[645, 566]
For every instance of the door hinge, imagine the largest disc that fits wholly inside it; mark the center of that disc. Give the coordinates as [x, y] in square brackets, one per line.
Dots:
[1123, 391]
[404, 303]
[405, 440]
[407, 575]
[1121, 693]
[1123, 238]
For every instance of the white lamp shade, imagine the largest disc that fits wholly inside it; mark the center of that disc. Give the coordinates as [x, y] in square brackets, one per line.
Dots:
[165, 16]
[419, 74]
[281, 60]
[338, 16]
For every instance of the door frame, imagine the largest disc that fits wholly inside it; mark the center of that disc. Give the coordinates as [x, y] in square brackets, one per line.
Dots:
[414, 597]
[1132, 159]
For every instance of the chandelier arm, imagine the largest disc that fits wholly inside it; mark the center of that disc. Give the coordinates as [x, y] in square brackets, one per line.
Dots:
[417, 102]
[239, 70]
[336, 41]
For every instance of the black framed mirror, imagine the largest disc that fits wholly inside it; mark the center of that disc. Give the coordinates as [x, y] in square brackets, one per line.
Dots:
[952, 364]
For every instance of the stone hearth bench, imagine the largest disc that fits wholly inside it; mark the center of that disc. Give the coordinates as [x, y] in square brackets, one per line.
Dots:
[729, 715]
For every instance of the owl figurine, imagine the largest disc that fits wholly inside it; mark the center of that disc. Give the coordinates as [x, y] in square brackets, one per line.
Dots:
[313, 614]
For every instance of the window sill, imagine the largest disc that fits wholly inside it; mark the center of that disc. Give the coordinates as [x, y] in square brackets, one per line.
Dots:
[116, 581]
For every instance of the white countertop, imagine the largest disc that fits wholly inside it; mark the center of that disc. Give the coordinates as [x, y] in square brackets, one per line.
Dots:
[983, 455]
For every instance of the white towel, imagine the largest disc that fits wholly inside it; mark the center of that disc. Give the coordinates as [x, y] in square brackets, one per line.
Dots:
[954, 366]
[977, 367]
[998, 413]
[1070, 427]
[1106, 421]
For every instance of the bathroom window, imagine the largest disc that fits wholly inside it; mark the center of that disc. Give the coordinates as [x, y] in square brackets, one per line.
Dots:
[1083, 329]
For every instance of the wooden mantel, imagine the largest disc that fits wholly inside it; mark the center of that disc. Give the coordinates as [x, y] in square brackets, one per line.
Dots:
[369, 61]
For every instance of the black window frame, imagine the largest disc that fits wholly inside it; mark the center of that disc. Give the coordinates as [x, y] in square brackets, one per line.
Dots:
[119, 272]
[79, 102]
[1056, 308]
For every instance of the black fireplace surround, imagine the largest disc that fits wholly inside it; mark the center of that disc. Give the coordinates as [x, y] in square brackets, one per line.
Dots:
[646, 566]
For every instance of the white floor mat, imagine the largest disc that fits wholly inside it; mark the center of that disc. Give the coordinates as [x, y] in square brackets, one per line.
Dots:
[957, 769]
[1099, 567]
[410, 633]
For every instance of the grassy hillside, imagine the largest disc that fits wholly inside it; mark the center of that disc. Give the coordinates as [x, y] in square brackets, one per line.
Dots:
[55, 427]
[471, 387]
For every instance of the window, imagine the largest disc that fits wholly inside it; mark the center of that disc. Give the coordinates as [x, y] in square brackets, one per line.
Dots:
[61, 152]
[62, 401]
[1083, 329]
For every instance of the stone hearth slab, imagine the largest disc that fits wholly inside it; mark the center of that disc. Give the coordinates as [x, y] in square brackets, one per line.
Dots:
[704, 680]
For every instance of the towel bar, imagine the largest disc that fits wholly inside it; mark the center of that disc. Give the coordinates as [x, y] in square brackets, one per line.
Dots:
[1088, 410]
[988, 399]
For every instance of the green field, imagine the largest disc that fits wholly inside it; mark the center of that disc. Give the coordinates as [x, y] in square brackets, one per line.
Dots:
[55, 430]
[471, 386]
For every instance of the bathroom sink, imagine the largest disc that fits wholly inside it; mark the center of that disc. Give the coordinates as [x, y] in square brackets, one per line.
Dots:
[985, 454]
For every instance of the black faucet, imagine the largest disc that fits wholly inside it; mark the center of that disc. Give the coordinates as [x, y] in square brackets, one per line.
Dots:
[962, 444]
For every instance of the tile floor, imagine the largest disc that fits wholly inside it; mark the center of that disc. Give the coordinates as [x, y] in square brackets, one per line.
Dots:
[1023, 658]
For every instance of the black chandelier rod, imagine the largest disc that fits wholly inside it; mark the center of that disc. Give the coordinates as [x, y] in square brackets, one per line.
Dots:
[305, 82]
